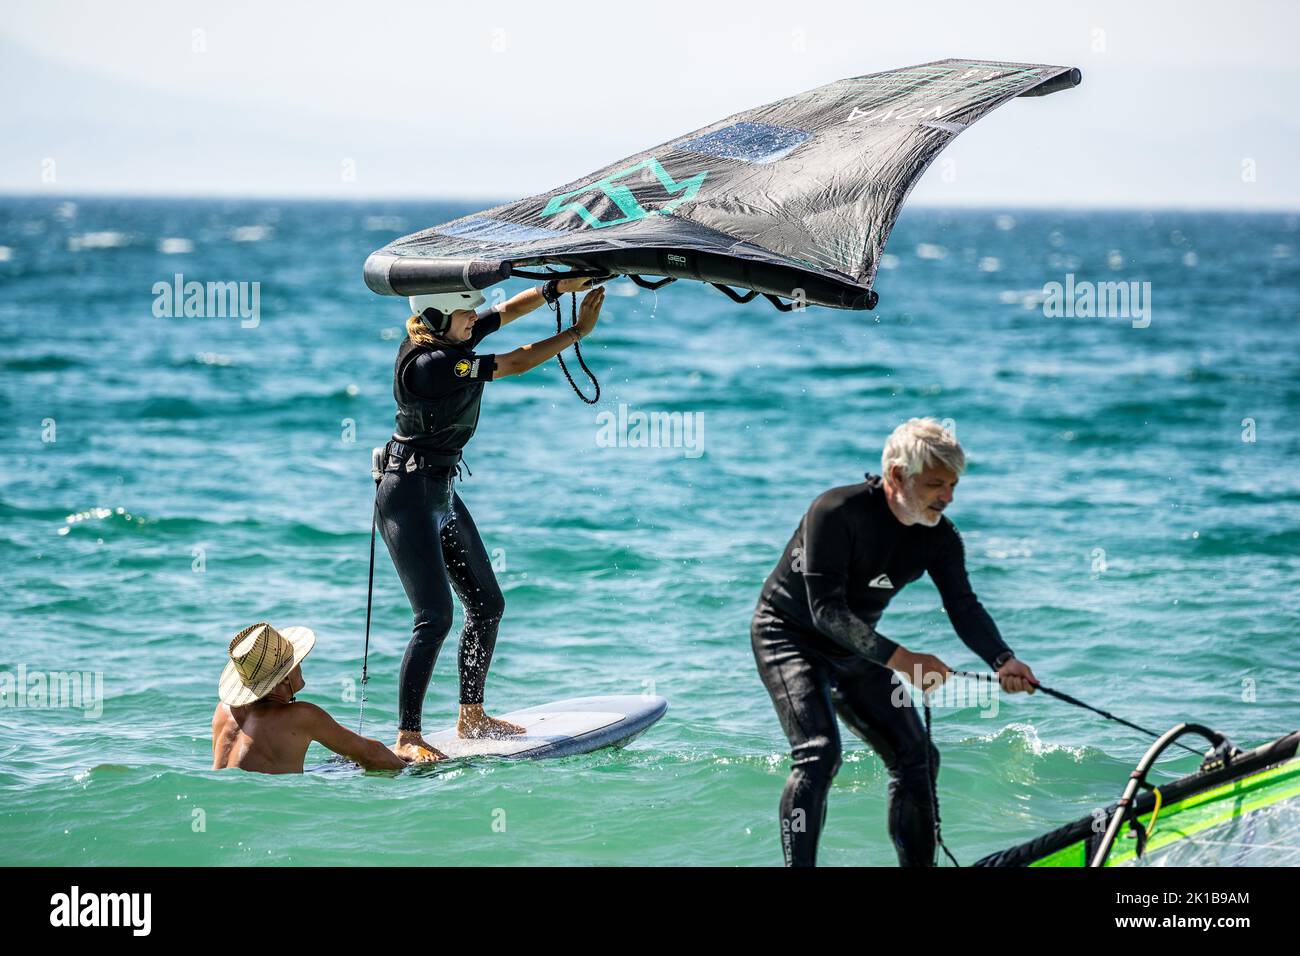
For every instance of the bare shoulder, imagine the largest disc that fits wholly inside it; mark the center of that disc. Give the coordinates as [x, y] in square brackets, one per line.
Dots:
[306, 710]
[220, 717]
[224, 735]
[311, 717]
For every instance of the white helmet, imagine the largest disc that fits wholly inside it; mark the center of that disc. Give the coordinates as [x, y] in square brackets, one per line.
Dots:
[447, 302]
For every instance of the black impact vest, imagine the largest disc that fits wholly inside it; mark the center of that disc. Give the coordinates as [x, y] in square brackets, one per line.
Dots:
[440, 426]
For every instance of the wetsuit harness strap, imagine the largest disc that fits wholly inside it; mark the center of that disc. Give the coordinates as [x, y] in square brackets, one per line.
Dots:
[403, 457]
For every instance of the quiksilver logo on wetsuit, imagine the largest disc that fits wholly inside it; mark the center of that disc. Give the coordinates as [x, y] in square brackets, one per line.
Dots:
[882, 581]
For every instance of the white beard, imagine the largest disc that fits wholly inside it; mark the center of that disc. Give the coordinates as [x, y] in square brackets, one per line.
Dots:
[928, 518]
[918, 512]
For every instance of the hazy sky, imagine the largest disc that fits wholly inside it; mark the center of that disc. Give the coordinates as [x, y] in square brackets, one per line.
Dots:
[1182, 104]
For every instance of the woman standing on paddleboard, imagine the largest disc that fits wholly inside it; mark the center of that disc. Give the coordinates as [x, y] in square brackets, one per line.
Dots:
[438, 382]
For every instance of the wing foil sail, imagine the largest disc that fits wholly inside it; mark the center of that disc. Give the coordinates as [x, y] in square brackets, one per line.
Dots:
[793, 199]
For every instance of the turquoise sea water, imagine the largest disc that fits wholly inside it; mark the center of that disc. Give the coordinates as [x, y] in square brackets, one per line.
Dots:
[1131, 514]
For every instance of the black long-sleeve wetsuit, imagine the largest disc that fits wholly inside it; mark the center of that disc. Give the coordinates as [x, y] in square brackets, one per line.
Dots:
[818, 652]
[429, 532]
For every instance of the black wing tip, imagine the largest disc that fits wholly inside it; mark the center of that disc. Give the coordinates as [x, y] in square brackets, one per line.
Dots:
[1067, 79]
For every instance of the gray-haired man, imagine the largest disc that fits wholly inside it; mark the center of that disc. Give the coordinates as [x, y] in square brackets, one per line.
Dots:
[818, 651]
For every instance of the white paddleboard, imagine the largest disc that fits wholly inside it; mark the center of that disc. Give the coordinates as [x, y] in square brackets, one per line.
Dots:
[578, 725]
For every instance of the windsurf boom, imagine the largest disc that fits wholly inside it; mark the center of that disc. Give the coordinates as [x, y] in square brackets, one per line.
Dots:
[793, 200]
[1239, 809]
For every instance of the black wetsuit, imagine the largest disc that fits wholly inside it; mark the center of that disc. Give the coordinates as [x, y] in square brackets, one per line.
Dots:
[818, 652]
[427, 528]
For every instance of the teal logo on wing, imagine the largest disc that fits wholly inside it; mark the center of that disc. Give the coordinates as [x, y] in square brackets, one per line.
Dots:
[618, 188]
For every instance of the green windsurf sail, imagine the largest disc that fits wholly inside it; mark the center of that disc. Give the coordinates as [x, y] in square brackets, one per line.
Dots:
[1242, 808]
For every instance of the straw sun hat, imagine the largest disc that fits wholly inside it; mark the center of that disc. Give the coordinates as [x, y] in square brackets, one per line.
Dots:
[261, 657]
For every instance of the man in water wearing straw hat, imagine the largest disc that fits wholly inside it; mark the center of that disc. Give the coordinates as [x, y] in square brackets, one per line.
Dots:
[259, 727]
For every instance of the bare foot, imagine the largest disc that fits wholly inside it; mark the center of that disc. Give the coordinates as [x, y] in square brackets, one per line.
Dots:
[413, 748]
[473, 723]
